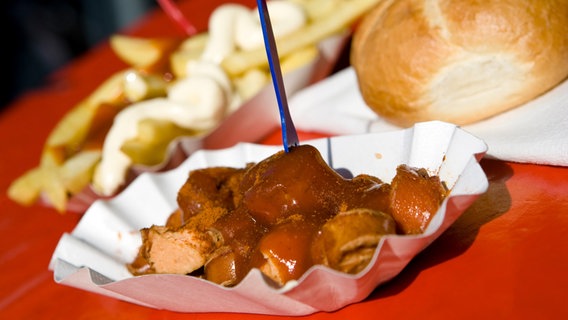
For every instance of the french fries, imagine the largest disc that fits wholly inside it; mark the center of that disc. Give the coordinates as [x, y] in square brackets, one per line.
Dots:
[342, 16]
[62, 172]
[56, 182]
[73, 149]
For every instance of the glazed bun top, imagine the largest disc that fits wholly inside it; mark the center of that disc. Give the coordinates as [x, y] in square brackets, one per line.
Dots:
[458, 61]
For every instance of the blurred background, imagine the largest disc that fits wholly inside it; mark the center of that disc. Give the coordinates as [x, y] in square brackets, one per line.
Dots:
[40, 36]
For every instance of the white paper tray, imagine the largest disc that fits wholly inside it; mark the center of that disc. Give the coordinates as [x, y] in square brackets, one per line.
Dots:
[94, 255]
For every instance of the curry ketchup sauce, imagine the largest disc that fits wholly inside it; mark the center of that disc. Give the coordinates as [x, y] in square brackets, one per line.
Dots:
[287, 198]
[289, 212]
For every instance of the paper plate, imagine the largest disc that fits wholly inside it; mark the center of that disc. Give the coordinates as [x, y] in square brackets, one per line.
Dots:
[94, 255]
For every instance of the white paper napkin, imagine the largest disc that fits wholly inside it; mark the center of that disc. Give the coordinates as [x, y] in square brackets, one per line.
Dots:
[536, 132]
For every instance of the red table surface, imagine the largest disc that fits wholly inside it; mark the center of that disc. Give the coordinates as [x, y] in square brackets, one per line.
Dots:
[506, 257]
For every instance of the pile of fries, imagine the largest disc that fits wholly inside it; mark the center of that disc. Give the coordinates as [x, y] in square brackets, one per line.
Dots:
[73, 149]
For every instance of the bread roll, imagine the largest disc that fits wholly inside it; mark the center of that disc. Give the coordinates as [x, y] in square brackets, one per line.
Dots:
[458, 61]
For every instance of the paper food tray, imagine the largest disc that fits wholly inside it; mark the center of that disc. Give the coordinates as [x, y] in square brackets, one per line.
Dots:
[94, 255]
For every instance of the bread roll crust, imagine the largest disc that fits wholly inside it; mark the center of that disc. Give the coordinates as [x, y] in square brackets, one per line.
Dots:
[458, 61]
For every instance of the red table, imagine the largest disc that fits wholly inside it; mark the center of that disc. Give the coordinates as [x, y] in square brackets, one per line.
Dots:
[506, 257]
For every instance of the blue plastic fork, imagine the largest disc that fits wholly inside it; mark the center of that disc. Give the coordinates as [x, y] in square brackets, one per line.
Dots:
[289, 135]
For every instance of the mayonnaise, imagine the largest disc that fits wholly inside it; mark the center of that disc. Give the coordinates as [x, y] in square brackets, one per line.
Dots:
[222, 31]
[201, 99]
[285, 17]
[234, 26]
[198, 103]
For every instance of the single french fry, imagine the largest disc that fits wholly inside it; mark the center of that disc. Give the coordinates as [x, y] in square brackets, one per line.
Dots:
[141, 52]
[195, 43]
[26, 189]
[251, 82]
[110, 91]
[151, 144]
[53, 188]
[68, 133]
[73, 127]
[315, 9]
[76, 173]
[299, 58]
